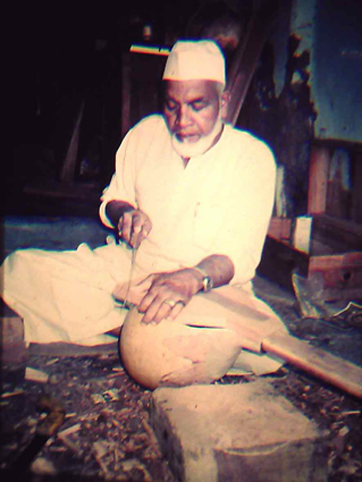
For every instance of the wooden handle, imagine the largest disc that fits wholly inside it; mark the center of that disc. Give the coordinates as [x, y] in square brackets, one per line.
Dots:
[321, 364]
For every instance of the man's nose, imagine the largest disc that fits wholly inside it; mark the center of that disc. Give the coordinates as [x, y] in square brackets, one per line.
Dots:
[184, 118]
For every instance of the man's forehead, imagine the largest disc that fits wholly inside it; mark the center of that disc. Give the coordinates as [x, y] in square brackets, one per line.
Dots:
[198, 88]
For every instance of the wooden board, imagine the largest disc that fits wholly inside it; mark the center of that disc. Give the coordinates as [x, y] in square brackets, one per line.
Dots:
[339, 234]
[318, 180]
[247, 57]
[280, 229]
[318, 363]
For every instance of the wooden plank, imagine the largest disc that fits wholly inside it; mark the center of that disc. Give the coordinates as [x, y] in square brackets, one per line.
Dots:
[339, 184]
[338, 261]
[318, 180]
[247, 57]
[337, 144]
[340, 234]
[280, 229]
[67, 172]
[319, 363]
[342, 275]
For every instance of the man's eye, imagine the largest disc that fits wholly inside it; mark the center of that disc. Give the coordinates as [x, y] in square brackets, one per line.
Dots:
[198, 105]
[171, 106]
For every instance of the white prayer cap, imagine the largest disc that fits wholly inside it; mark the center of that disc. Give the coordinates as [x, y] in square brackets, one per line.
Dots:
[195, 60]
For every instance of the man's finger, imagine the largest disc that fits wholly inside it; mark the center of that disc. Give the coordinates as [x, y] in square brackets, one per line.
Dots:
[145, 286]
[176, 310]
[138, 291]
[126, 227]
[136, 223]
[139, 231]
[157, 311]
[136, 238]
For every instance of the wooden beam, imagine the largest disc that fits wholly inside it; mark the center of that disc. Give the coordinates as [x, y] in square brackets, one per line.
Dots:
[67, 172]
[339, 234]
[317, 362]
[338, 261]
[247, 57]
[280, 229]
[318, 180]
[342, 275]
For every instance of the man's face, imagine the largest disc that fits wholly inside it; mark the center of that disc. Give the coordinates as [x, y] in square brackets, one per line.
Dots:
[192, 108]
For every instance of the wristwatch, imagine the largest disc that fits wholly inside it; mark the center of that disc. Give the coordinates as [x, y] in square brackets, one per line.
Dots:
[207, 283]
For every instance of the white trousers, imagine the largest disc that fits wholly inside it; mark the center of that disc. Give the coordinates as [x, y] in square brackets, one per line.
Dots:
[67, 296]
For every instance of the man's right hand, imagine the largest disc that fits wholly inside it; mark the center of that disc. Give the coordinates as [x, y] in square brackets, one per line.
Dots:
[133, 227]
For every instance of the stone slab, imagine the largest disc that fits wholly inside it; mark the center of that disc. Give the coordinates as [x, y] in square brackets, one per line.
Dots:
[235, 433]
[12, 345]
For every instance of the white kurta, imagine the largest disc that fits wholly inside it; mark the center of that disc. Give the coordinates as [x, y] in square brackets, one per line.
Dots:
[219, 204]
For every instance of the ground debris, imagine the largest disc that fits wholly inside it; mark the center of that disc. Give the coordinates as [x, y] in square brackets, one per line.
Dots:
[43, 466]
[15, 393]
[36, 375]
[113, 439]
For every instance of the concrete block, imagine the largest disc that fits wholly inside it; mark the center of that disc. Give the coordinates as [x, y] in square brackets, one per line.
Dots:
[236, 432]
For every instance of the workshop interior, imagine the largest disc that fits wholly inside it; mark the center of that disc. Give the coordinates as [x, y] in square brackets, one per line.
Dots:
[82, 75]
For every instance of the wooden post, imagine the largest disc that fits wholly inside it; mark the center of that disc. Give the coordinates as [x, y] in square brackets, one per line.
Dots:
[247, 57]
[318, 180]
[68, 169]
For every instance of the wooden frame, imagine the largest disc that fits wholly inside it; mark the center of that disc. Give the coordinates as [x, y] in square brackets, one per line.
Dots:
[335, 256]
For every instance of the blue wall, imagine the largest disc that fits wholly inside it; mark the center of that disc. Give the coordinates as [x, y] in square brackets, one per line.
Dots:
[337, 69]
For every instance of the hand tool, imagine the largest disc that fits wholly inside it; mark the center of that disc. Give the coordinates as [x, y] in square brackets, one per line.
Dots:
[126, 304]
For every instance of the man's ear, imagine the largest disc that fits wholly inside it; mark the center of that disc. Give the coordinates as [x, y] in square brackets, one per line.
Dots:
[224, 103]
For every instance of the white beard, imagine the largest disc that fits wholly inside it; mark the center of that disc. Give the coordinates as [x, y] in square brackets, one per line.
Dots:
[192, 149]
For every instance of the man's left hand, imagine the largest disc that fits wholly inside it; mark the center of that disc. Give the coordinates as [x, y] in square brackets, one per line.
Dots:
[164, 295]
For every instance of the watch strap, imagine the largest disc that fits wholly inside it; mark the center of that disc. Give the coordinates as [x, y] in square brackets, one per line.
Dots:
[207, 283]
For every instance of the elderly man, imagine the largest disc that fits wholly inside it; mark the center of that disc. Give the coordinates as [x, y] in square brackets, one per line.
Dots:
[190, 200]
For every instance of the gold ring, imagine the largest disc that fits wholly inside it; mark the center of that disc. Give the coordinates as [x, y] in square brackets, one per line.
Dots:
[170, 303]
[173, 303]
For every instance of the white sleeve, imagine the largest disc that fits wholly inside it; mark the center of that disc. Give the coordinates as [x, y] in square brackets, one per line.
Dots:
[247, 217]
[122, 185]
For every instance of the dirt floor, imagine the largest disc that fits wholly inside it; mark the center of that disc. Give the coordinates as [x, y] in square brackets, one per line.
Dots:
[106, 433]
